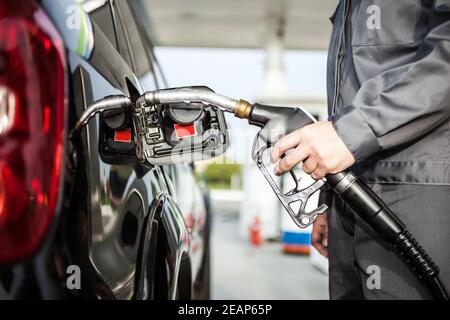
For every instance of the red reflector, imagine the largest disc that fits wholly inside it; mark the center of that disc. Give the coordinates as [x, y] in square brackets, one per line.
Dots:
[122, 136]
[182, 131]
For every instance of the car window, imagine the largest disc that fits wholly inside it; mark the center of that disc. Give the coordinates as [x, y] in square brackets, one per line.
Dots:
[141, 60]
[142, 19]
[122, 42]
[102, 16]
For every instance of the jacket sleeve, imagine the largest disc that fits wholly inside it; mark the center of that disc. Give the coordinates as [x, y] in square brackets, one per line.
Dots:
[401, 104]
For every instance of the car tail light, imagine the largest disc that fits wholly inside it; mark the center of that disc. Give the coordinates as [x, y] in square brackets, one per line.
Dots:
[32, 121]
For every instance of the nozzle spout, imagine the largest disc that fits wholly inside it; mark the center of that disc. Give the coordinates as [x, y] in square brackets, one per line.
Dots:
[107, 103]
[188, 95]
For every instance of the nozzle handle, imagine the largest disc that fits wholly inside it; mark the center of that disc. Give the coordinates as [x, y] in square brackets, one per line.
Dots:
[277, 122]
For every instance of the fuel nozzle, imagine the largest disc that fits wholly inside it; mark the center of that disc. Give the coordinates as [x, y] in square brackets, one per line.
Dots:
[257, 114]
[188, 95]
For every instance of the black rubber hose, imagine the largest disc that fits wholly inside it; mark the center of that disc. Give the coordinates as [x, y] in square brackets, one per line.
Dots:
[364, 202]
[419, 261]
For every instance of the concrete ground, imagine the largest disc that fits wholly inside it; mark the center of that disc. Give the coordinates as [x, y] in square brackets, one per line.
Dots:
[240, 271]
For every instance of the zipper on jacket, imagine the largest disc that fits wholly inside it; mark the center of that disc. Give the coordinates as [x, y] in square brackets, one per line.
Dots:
[341, 52]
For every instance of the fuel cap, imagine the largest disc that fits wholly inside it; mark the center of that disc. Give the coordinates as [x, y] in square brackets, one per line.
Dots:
[185, 113]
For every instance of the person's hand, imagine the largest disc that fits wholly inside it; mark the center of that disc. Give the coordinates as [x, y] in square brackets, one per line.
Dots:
[319, 235]
[319, 147]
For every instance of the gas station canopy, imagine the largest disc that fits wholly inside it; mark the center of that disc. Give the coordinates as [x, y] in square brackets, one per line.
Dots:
[240, 23]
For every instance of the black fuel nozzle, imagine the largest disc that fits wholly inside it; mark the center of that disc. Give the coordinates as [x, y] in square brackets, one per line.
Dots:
[261, 114]
[275, 121]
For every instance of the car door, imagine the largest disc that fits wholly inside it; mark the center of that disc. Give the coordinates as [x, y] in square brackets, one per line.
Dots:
[150, 77]
[119, 195]
[181, 182]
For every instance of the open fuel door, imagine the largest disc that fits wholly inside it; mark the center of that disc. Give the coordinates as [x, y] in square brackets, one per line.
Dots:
[179, 132]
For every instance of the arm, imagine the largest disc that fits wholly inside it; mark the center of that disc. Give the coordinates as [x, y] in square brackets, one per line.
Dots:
[401, 104]
[396, 107]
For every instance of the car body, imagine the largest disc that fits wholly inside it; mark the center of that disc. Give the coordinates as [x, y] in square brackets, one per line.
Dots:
[127, 231]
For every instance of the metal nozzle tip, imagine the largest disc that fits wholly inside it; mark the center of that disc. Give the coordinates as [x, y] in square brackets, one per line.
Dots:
[107, 103]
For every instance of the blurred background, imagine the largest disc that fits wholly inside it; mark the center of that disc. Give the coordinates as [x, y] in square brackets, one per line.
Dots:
[268, 51]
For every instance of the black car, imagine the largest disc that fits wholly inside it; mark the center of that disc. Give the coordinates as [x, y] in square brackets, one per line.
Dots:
[79, 217]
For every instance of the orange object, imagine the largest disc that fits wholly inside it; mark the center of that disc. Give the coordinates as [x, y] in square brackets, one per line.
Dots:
[255, 232]
[295, 249]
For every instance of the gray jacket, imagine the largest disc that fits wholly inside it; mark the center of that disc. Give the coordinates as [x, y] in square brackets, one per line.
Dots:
[389, 88]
